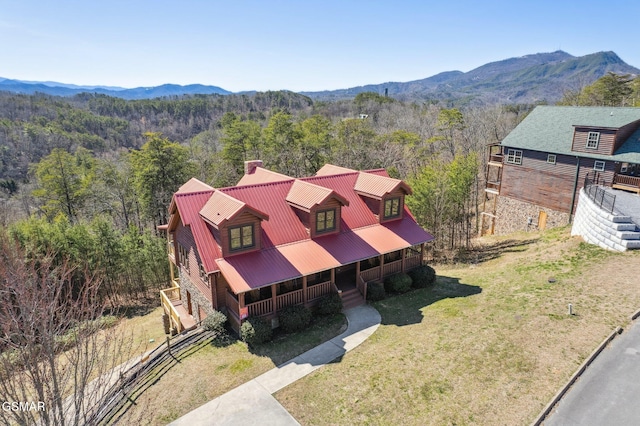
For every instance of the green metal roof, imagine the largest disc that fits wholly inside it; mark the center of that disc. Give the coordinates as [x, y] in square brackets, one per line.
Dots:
[550, 129]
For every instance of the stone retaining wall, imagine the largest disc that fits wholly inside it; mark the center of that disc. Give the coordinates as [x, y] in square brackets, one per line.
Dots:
[596, 226]
[513, 215]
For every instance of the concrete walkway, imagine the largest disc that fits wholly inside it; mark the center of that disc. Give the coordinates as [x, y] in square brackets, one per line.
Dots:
[253, 403]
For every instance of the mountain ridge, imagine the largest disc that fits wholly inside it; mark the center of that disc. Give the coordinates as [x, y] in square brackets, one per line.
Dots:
[539, 77]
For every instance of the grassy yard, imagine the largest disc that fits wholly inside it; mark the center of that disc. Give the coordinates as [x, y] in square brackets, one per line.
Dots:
[490, 344]
[213, 368]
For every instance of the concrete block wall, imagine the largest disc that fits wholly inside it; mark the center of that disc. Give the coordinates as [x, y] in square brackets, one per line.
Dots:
[609, 231]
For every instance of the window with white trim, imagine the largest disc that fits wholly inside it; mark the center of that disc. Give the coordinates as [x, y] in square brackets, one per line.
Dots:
[514, 156]
[592, 140]
[551, 158]
[598, 166]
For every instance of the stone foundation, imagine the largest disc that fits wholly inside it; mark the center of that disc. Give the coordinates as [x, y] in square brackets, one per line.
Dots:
[198, 300]
[513, 215]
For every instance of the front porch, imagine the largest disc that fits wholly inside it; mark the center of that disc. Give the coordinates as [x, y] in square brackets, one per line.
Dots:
[346, 280]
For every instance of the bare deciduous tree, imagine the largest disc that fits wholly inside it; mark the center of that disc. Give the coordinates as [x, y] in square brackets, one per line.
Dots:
[56, 358]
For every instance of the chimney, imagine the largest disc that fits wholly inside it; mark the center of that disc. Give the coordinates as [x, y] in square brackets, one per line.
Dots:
[250, 166]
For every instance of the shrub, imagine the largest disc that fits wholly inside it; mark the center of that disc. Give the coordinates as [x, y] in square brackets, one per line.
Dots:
[423, 276]
[398, 283]
[330, 304]
[255, 331]
[215, 322]
[375, 291]
[294, 318]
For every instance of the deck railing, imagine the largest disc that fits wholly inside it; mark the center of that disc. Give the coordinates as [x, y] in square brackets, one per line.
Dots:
[392, 268]
[496, 158]
[289, 299]
[372, 274]
[633, 181]
[318, 290]
[412, 262]
[167, 297]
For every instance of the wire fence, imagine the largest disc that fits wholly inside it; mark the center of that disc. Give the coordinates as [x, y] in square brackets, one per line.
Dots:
[594, 188]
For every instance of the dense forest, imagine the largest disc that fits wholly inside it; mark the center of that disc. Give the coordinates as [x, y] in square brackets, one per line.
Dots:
[89, 178]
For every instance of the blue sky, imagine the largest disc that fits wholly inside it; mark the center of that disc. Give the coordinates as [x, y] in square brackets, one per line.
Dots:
[295, 45]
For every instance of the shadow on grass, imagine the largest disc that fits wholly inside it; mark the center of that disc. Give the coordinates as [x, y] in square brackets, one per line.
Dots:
[406, 309]
[286, 346]
[484, 253]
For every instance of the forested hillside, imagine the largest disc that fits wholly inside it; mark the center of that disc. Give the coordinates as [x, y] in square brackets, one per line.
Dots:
[88, 179]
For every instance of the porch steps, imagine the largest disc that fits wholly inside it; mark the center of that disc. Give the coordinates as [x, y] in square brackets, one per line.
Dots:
[351, 298]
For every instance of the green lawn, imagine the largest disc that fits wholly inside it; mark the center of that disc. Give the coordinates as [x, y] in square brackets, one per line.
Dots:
[490, 344]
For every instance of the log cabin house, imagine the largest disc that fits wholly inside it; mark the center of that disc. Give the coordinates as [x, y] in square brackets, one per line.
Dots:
[534, 176]
[273, 241]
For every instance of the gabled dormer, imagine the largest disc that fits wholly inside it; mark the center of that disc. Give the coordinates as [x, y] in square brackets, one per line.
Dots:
[235, 225]
[317, 207]
[383, 195]
[594, 140]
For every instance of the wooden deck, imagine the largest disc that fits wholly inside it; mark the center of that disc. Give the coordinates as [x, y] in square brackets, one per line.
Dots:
[626, 183]
[188, 321]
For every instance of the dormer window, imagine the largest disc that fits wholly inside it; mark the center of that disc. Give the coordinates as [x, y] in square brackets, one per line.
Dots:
[326, 221]
[391, 207]
[592, 140]
[241, 237]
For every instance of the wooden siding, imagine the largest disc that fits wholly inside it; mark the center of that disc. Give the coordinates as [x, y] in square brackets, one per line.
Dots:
[245, 218]
[605, 144]
[184, 237]
[549, 185]
[397, 193]
[330, 204]
[624, 132]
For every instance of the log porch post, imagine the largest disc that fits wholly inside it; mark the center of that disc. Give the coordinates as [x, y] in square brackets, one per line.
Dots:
[402, 254]
[304, 290]
[382, 267]
[421, 254]
[333, 275]
[357, 271]
[240, 301]
[274, 297]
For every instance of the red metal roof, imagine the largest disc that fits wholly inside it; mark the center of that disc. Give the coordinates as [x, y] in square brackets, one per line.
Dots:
[306, 195]
[189, 206]
[261, 175]
[287, 250]
[378, 186]
[194, 185]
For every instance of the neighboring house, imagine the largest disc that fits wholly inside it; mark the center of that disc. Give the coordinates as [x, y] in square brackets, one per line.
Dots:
[535, 175]
[273, 241]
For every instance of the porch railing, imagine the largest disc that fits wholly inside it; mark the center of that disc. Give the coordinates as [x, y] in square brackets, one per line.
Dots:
[232, 304]
[361, 284]
[167, 297]
[392, 268]
[412, 262]
[289, 299]
[318, 290]
[261, 307]
[496, 158]
[370, 274]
